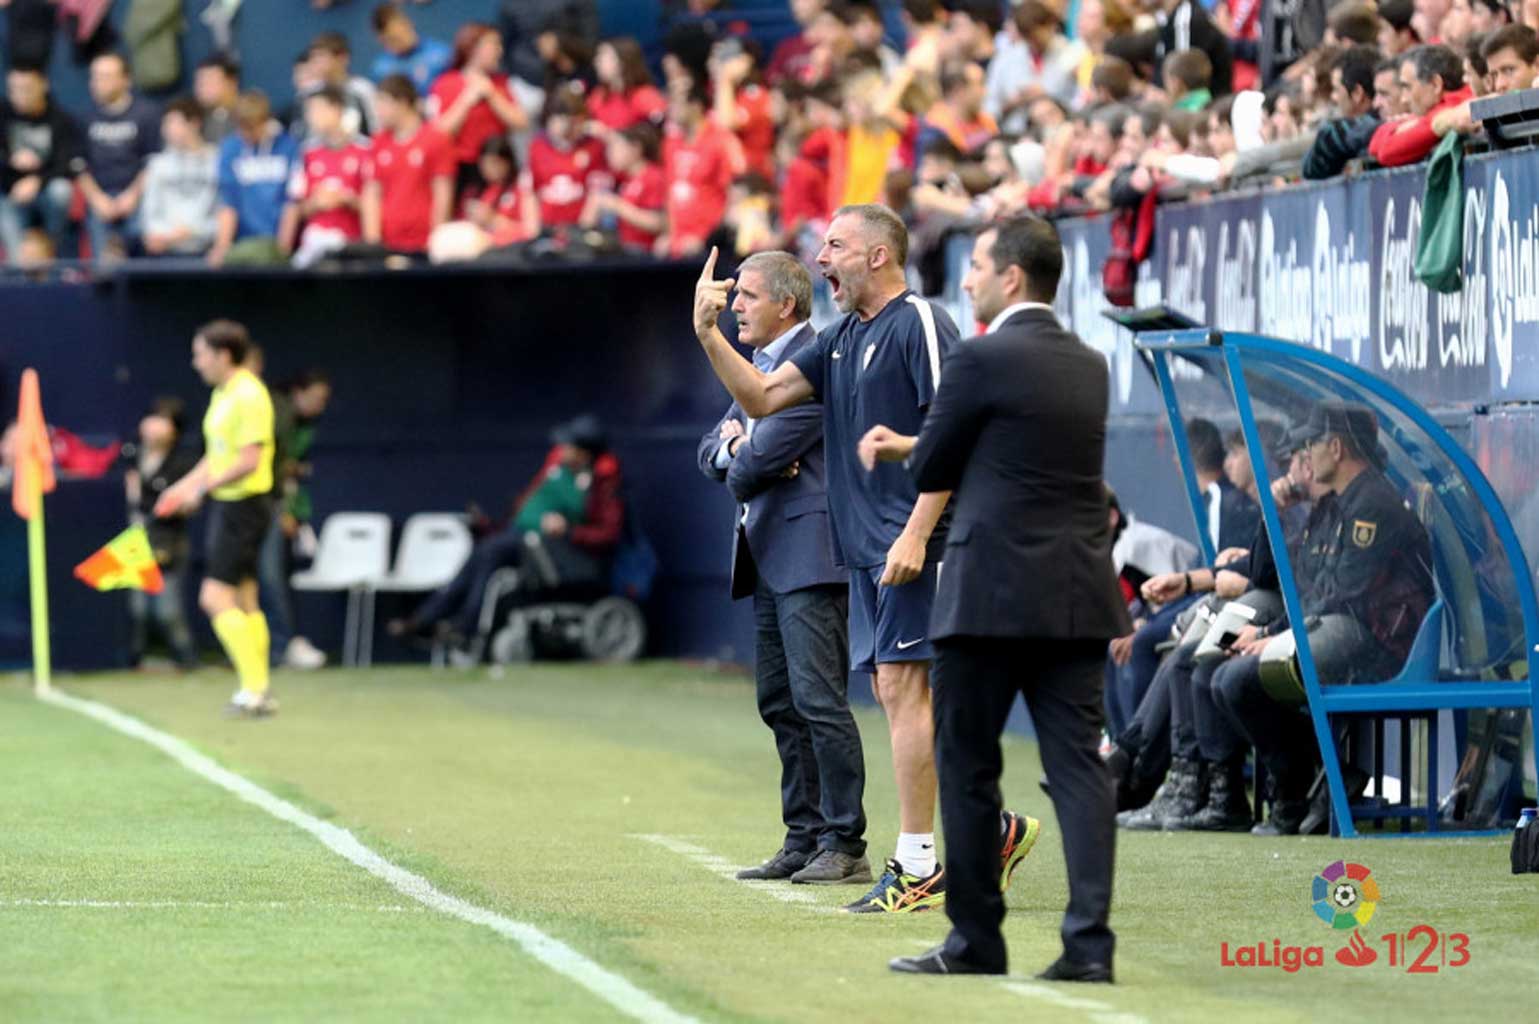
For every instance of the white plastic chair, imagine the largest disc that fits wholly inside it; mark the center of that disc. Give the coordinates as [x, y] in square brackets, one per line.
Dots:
[352, 555]
[434, 547]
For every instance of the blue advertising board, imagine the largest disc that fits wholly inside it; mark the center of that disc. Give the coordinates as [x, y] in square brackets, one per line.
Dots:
[1331, 265]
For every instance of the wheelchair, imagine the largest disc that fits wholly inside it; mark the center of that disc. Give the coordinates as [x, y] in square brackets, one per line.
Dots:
[551, 618]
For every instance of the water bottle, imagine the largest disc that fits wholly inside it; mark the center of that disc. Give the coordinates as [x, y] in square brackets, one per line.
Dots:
[1527, 817]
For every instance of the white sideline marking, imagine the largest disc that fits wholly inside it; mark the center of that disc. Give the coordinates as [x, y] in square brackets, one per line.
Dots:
[1101, 1013]
[722, 868]
[553, 953]
[388, 908]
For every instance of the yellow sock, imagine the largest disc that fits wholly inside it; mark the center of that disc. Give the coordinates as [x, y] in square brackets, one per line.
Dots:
[258, 643]
[232, 627]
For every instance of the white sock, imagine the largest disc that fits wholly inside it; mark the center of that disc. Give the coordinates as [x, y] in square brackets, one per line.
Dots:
[916, 852]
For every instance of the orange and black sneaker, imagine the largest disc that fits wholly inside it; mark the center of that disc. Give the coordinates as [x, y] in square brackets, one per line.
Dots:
[1020, 836]
[898, 892]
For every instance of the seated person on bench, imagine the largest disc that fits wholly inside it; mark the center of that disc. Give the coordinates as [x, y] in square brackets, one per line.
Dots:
[1369, 587]
[571, 510]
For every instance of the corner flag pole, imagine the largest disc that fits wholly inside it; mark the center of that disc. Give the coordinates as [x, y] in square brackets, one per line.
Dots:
[34, 475]
[37, 569]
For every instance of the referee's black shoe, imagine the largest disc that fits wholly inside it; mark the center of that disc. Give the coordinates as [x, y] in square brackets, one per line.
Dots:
[1067, 970]
[938, 961]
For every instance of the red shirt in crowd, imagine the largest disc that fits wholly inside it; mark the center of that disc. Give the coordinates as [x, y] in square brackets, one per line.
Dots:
[756, 130]
[698, 172]
[506, 202]
[405, 170]
[791, 59]
[619, 110]
[805, 191]
[345, 169]
[560, 178]
[1394, 147]
[480, 124]
[645, 189]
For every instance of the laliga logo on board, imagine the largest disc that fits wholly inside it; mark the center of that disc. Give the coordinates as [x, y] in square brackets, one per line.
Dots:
[1344, 895]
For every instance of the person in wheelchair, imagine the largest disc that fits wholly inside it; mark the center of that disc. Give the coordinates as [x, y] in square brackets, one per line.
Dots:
[566, 525]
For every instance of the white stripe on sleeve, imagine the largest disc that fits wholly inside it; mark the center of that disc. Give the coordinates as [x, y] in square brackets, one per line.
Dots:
[931, 339]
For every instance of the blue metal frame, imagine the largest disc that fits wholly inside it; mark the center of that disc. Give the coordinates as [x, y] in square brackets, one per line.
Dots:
[1184, 456]
[1408, 696]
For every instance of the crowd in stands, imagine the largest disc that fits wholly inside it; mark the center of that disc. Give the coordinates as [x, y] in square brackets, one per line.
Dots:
[544, 134]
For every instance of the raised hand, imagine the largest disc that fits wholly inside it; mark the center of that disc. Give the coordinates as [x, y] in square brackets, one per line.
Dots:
[710, 296]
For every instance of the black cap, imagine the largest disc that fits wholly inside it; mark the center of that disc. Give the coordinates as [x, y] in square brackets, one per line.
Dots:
[585, 432]
[1334, 416]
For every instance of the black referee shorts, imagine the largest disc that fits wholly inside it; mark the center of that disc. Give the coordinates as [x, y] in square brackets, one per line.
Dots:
[236, 530]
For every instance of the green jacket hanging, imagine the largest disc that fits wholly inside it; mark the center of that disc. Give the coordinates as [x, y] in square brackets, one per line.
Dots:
[153, 29]
[1440, 249]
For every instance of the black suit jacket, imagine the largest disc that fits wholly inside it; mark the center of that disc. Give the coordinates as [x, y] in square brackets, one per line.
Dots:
[1018, 431]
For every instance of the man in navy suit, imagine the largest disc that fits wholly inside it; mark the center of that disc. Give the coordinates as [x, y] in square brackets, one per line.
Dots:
[783, 556]
[1028, 598]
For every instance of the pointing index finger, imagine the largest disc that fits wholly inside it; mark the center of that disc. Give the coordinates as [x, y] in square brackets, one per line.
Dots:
[708, 272]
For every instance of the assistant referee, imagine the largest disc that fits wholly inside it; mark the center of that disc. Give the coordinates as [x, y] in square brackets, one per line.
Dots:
[236, 473]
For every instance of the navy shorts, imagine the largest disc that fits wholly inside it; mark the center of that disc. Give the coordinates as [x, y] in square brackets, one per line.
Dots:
[890, 624]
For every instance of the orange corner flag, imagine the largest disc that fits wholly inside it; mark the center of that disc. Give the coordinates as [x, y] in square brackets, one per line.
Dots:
[34, 455]
[125, 562]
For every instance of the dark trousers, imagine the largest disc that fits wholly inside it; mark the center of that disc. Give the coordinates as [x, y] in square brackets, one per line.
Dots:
[1283, 735]
[1134, 679]
[274, 594]
[1148, 736]
[1188, 678]
[459, 600]
[801, 658]
[975, 682]
[166, 610]
[1218, 738]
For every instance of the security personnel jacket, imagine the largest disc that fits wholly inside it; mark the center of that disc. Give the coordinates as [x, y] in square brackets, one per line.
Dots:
[1370, 559]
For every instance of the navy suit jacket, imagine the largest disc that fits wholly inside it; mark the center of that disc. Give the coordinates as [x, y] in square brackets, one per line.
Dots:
[786, 540]
[1018, 431]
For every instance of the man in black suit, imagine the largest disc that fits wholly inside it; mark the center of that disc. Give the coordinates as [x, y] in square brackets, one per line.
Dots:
[783, 556]
[1028, 597]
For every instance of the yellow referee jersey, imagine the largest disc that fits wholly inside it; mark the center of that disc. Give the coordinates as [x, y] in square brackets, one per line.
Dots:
[240, 413]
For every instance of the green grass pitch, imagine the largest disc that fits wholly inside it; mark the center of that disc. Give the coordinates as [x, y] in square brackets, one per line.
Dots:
[133, 890]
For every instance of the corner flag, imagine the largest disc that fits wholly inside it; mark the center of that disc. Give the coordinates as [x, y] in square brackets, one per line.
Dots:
[34, 476]
[126, 561]
[34, 455]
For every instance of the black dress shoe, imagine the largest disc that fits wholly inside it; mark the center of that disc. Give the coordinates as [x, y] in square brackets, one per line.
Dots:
[938, 961]
[783, 864]
[1318, 821]
[1068, 970]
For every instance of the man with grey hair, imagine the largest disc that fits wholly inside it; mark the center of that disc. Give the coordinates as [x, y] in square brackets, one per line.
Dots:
[783, 556]
[879, 364]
